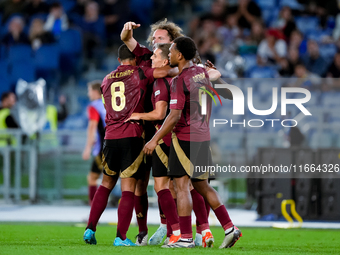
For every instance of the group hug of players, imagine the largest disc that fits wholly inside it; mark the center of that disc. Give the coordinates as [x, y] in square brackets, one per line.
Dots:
[181, 141]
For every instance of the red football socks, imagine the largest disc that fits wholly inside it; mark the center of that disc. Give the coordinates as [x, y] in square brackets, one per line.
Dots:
[141, 208]
[223, 217]
[125, 210]
[198, 206]
[185, 224]
[92, 192]
[161, 214]
[169, 208]
[98, 206]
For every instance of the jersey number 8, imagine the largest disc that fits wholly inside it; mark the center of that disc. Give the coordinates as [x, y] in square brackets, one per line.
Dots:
[119, 94]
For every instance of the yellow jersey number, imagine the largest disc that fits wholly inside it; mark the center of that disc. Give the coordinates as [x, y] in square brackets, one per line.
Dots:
[120, 94]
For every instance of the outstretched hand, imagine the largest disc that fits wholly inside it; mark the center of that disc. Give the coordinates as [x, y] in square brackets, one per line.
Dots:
[209, 64]
[130, 25]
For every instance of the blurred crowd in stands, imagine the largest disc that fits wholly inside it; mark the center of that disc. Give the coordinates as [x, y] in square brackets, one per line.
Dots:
[244, 38]
[275, 38]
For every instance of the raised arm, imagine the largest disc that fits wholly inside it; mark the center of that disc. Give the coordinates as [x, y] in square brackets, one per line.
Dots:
[225, 93]
[127, 35]
[214, 74]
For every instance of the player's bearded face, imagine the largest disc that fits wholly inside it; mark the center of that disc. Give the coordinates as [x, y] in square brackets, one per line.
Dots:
[173, 56]
[160, 36]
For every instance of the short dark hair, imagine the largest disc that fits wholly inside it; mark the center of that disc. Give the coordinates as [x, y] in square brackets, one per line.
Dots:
[95, 85]
[186, 46]
[124, 53]
[5, 95]
[165, 48]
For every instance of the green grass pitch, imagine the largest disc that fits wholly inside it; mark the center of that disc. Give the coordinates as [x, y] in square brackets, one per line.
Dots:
[45, 239]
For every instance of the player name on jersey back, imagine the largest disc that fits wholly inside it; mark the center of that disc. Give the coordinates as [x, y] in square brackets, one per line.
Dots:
[124, 92]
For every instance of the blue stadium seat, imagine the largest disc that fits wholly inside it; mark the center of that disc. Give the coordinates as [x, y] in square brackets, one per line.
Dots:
[265, 88]
[141, 10]
[5, 85]
[47, 57]
[3, 51]
[4, 77]
[270, 15]
[75, 122]
[83, 101]
[47, 64]
[4, 68]
[328, 51]
[256, 140]
[75, 18]
[250, 61]
[305, 24]
[266, 3]
[70, 45]
[68, 5]
[318, 35]
[323, 140]
[70, 42]
[315, 98]
[21, 52]
[22, 69]
[330, 99]
[311, 119]
[334, 115]
[293, 4]
[234, 141]
[262, 72]
[331, 22]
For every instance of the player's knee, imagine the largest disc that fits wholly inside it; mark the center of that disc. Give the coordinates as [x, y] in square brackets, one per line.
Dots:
[129, 184]
[201, 187]
[141, 188]
[158, 187]
[91, 180]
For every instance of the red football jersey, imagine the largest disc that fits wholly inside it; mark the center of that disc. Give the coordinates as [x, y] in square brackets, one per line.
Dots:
[161, 92]
[124, 93]
[186, 93]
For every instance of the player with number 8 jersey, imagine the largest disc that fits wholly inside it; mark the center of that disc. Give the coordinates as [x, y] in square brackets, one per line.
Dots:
[124, 93]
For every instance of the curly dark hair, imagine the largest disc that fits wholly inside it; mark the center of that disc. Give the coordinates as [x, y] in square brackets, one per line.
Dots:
[174, 31]
[186, 46]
